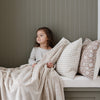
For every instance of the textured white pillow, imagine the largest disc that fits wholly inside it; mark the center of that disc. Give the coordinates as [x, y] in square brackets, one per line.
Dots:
[67, 63]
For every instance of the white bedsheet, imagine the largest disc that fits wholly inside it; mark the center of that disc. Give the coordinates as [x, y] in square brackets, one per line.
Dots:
[80, 81]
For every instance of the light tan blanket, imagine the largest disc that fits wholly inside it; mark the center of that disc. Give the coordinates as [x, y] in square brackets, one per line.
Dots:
[38, 83]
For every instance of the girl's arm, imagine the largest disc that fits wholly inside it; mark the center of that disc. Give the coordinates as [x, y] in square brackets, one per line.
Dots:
[32, 59]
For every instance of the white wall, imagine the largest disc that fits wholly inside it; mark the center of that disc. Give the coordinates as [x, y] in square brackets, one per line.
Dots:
[98, 19]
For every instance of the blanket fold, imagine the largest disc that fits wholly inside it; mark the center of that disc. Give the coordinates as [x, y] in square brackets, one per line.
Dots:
[38, 83]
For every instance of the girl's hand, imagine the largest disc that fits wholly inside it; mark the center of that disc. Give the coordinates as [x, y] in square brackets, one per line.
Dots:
[49, 65]
[34, 64]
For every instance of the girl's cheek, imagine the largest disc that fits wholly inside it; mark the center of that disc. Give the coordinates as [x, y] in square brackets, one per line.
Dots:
[36, 39]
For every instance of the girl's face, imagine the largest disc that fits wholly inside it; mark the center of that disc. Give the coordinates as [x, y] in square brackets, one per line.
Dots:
[41, 37]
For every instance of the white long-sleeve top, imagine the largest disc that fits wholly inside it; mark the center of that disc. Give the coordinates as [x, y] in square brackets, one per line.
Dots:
[37, 54]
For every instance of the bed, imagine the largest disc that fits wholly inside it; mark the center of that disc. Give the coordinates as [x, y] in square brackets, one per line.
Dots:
[81, 88]
[80, 81]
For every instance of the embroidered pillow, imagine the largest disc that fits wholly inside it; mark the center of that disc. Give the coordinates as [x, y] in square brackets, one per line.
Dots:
[85, 43]
[89, 63]
[97, 64]
[68, 61]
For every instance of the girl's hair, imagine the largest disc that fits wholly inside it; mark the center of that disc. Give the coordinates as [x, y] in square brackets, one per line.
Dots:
[49, 33]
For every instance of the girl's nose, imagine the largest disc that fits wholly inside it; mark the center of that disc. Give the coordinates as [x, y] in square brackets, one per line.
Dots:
[38, 38]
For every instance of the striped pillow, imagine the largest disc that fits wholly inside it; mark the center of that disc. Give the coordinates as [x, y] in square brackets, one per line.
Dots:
[67, 63]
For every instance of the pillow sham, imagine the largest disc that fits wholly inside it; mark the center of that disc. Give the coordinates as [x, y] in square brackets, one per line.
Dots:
[97, 64]
[68, 61]
[89, 66]
[85, 43]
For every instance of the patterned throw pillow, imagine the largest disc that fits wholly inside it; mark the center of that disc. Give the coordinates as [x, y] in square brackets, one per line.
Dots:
[89, 63]
[85, 43]
[68, 61]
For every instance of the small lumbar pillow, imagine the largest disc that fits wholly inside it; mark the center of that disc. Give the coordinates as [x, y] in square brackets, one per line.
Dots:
[90, 58]
[68, 61]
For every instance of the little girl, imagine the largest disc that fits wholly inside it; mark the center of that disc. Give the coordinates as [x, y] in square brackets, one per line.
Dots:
[44, 43]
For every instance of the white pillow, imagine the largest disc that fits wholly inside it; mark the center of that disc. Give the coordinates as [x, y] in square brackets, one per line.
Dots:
[67, 64]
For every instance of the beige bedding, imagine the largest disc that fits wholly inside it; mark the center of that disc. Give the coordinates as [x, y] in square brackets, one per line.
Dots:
[38, 83]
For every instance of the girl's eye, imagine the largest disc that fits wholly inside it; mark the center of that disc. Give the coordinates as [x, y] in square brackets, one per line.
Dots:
[41, 35]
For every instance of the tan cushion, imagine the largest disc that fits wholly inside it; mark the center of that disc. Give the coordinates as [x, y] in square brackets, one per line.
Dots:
[97, 64]
[85, 43]
[88, 59]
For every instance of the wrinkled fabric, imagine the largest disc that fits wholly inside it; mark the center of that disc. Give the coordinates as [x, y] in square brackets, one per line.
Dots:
[38, 83]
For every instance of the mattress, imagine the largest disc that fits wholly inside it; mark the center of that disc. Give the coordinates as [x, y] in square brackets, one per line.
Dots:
[80, 81]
